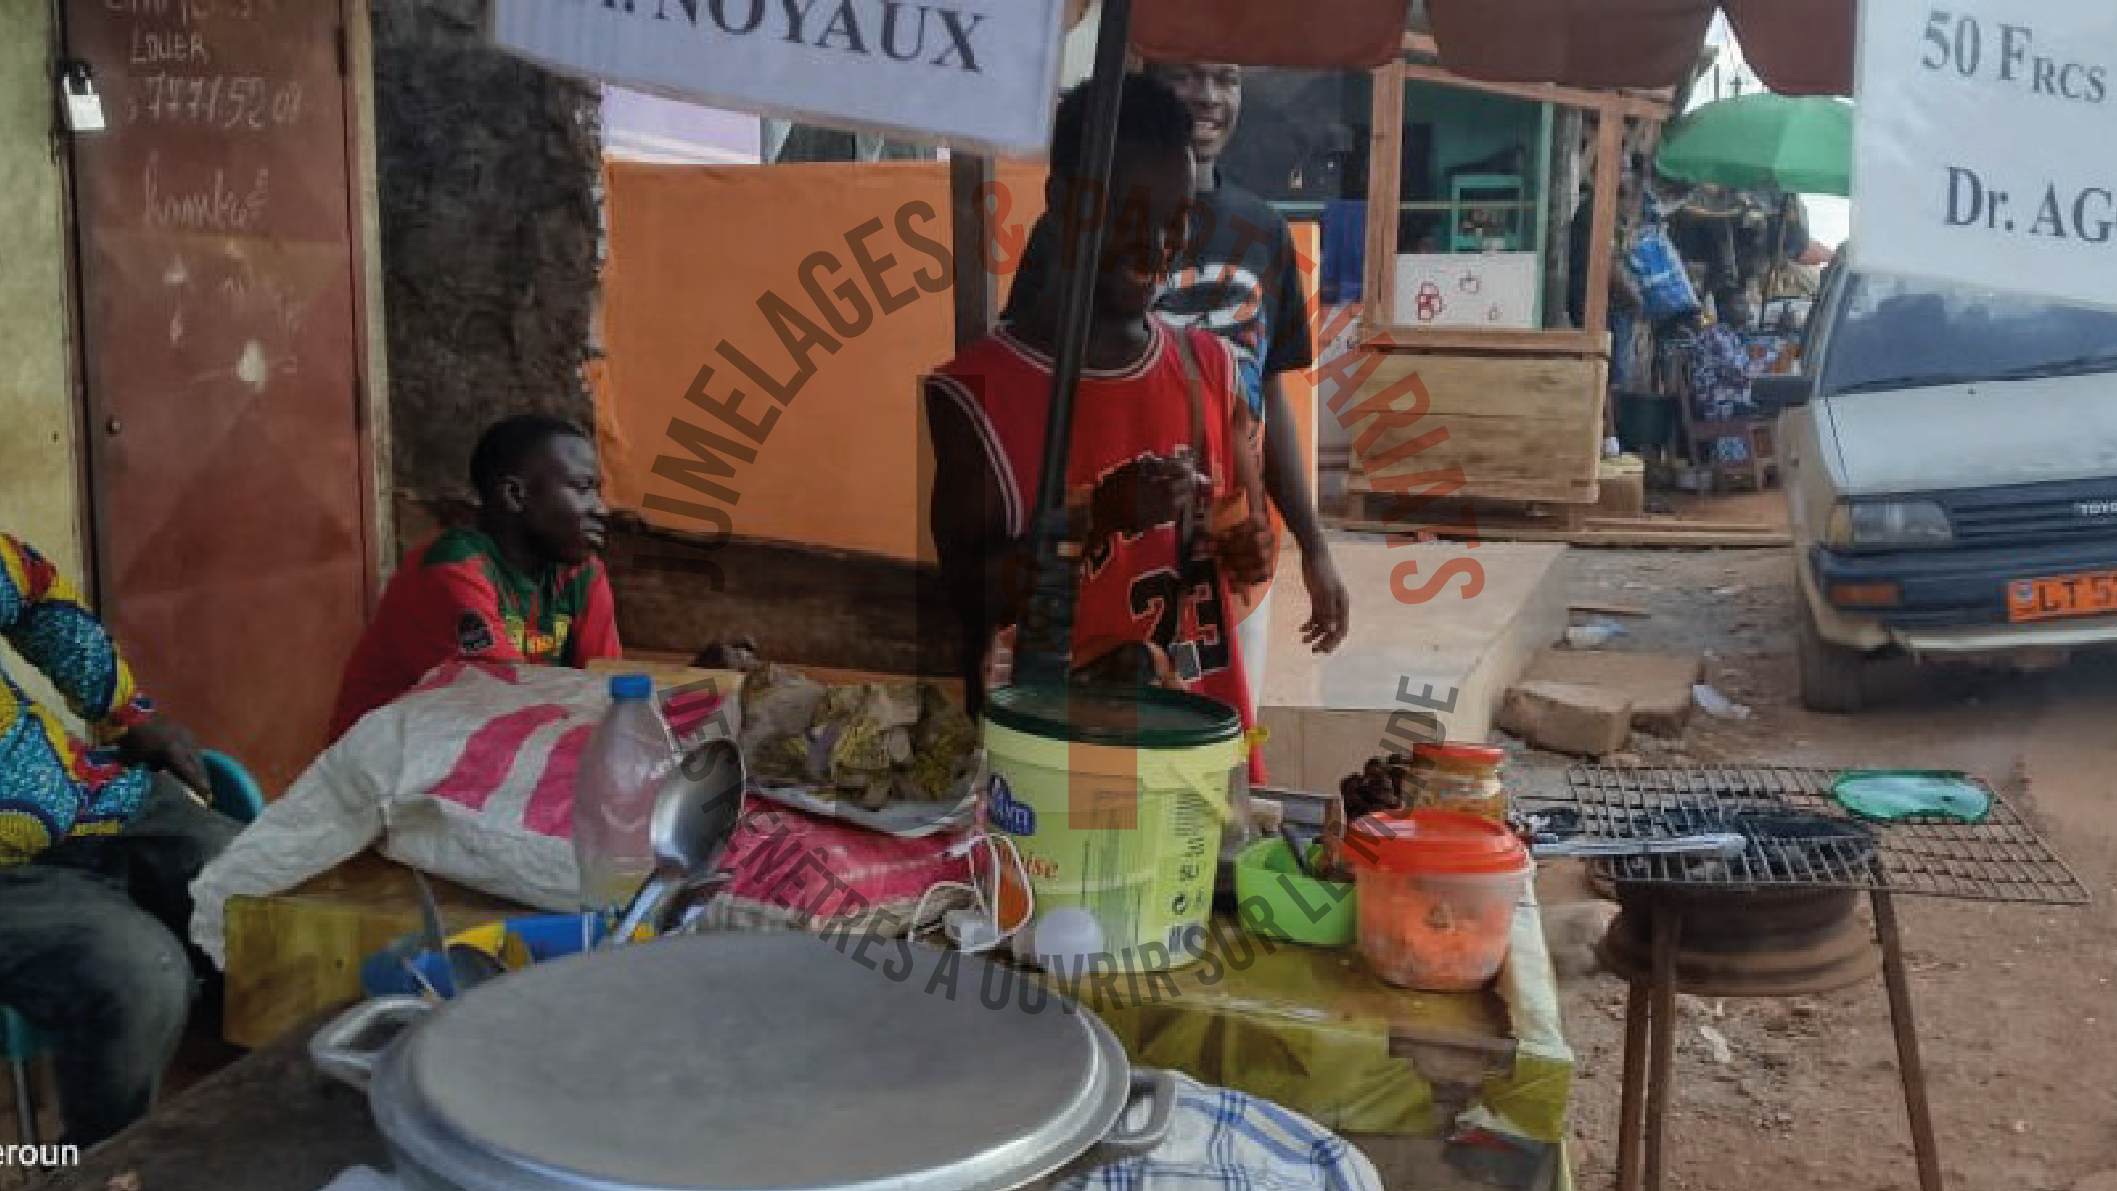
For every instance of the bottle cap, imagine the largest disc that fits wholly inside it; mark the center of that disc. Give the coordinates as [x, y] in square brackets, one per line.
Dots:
[631, 686]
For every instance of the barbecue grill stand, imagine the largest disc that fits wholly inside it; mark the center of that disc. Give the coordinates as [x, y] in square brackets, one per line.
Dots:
[1650, 1044]
[1996, 859]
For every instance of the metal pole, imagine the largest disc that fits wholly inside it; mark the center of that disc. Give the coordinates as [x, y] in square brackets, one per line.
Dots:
[1661, 1039]
[1909, 1066]
[1042, 656]
[1632, 1105]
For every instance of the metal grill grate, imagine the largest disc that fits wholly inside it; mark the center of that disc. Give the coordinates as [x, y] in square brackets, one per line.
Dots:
[1998, 859]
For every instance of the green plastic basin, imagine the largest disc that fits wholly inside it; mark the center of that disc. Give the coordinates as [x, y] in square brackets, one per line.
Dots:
[1301, 909]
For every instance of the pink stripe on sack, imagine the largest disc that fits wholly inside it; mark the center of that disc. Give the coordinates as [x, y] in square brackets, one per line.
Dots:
[550, 810]
[491, 753]
[686, 712]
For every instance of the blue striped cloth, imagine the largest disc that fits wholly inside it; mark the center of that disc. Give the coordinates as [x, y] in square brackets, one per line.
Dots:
[1222, 1140]
[1218, 1141]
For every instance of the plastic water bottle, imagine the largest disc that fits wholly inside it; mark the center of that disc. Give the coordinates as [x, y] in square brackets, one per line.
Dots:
[615, 788]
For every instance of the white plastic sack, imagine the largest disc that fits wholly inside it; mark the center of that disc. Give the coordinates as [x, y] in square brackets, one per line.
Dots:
[469, 777]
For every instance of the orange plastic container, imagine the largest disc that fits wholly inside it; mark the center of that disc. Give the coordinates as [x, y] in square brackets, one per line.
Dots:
[1436, 893]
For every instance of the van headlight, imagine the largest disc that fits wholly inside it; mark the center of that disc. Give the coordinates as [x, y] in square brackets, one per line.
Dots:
[1890, 523]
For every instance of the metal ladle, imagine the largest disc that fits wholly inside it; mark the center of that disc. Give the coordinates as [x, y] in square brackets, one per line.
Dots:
[694, 817]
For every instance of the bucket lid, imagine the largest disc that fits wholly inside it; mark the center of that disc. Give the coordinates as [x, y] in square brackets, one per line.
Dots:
[1468, 754]
[1435, 841]
[1143, 717]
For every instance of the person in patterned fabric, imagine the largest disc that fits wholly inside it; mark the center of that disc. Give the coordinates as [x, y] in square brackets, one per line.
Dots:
[524, 584]
[99, 843]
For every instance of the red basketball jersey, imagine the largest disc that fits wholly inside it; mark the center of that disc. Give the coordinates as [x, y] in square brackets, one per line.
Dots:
[1130, 587]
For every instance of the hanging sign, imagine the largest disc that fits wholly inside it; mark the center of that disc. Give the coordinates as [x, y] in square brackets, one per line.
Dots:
[979, 73]
[1981, 144]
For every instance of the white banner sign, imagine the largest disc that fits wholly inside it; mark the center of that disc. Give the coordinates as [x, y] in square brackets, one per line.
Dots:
[978, 73]
[1986, 144]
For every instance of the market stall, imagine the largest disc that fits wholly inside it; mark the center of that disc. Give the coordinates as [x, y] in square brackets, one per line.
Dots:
[1466, 322]
[1463, 1069]
[1485, 1056]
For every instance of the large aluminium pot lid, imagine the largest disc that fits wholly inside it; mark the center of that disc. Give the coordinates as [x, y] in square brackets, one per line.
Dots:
[754, 1062]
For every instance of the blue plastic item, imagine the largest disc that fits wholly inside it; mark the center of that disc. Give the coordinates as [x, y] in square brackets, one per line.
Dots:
[1664, 288]
[235, 792]
[1344, 252]
[631, 686]
[236, 795]
[546, 937]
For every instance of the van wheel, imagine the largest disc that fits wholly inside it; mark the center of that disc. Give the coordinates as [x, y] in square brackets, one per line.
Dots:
[1834, 678]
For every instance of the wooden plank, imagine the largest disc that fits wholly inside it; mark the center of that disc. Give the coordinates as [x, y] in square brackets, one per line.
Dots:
[1423, 43]
[295, 954]
[1486, 386]
[1608, 608]
[1609, 538]
[1520, 429]
[1493, 513]
[1385, 158]
[667, 673]
[1605, 102]
[1682, 525]
[1561, 342]
[1381, 504]
[1602, 234]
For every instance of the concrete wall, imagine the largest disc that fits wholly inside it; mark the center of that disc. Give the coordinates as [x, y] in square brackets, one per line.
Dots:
[40, 472]
[489, 172]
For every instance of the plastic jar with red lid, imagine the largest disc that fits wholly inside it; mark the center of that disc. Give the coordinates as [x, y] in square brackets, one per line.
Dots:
[1436, 893]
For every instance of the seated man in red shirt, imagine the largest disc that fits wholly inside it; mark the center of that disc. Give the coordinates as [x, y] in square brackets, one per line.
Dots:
[1158, 438]
[522, 585]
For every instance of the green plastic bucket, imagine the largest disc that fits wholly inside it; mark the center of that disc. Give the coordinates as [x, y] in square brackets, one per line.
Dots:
[1115, 798]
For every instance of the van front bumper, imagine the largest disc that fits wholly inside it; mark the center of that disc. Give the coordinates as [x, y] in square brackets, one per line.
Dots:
[1955, 600]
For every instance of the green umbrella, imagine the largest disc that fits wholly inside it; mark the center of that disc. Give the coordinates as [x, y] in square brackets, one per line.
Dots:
[1798, 145]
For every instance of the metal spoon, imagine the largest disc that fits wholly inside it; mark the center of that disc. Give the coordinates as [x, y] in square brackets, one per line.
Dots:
[693, 819]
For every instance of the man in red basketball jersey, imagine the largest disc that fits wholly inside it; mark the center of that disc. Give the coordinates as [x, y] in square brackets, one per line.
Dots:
[1157, 423]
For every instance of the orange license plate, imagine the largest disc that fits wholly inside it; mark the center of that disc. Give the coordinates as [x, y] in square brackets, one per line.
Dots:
[2091, 594]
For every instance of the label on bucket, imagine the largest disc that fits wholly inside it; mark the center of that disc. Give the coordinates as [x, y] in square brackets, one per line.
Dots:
[1010, 816]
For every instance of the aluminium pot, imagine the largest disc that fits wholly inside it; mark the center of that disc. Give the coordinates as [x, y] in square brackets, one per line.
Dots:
[748, 1062]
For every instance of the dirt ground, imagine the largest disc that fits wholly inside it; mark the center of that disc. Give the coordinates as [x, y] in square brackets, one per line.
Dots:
[2014, 1003]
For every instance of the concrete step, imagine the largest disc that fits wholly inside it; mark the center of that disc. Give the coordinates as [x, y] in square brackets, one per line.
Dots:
[1328, 714]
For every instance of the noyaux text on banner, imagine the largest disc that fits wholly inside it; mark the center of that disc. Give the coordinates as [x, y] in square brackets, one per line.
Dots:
[982, 74]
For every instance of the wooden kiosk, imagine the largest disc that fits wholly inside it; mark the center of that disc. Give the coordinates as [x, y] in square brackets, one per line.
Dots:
[1470, 311]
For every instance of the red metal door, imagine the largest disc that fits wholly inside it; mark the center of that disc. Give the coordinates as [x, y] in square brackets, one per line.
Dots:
[220, 325]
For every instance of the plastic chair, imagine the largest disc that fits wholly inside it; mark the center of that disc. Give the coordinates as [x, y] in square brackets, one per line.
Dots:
[236, 795]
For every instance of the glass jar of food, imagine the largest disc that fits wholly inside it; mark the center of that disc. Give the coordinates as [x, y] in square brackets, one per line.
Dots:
[1460, 777]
